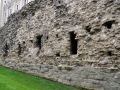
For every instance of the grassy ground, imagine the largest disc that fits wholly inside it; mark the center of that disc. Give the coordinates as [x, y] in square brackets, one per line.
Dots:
[13, 80]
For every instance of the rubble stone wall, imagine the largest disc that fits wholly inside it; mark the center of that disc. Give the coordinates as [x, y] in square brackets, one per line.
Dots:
[75, 42]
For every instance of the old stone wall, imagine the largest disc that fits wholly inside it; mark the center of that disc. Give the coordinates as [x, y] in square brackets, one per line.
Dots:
[61, 39]
[88, 78]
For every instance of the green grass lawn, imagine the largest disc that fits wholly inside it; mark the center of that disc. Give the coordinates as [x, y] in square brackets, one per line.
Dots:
[13, 80]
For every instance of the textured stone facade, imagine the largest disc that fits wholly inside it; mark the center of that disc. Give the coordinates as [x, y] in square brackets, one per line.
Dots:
[74, 42]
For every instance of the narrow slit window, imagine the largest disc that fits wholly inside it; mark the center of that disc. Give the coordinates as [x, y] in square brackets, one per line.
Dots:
[19, 49]
[73, 43]
[6, 48]
[17, 7]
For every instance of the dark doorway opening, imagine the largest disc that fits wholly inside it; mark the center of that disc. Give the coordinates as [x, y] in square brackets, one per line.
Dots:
[38, 41]
[73, 43]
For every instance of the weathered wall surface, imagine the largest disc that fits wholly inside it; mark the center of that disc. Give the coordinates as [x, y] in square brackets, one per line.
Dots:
[74, 42]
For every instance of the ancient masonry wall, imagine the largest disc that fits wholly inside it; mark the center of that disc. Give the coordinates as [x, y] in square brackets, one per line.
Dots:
[74, 42]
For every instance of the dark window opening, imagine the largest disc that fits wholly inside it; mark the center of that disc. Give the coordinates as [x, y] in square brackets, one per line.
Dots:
[58, 54]
[38, 41]
[109, 53]
[6, 48]
[73, 43]
[17, 7]
[19, 49]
